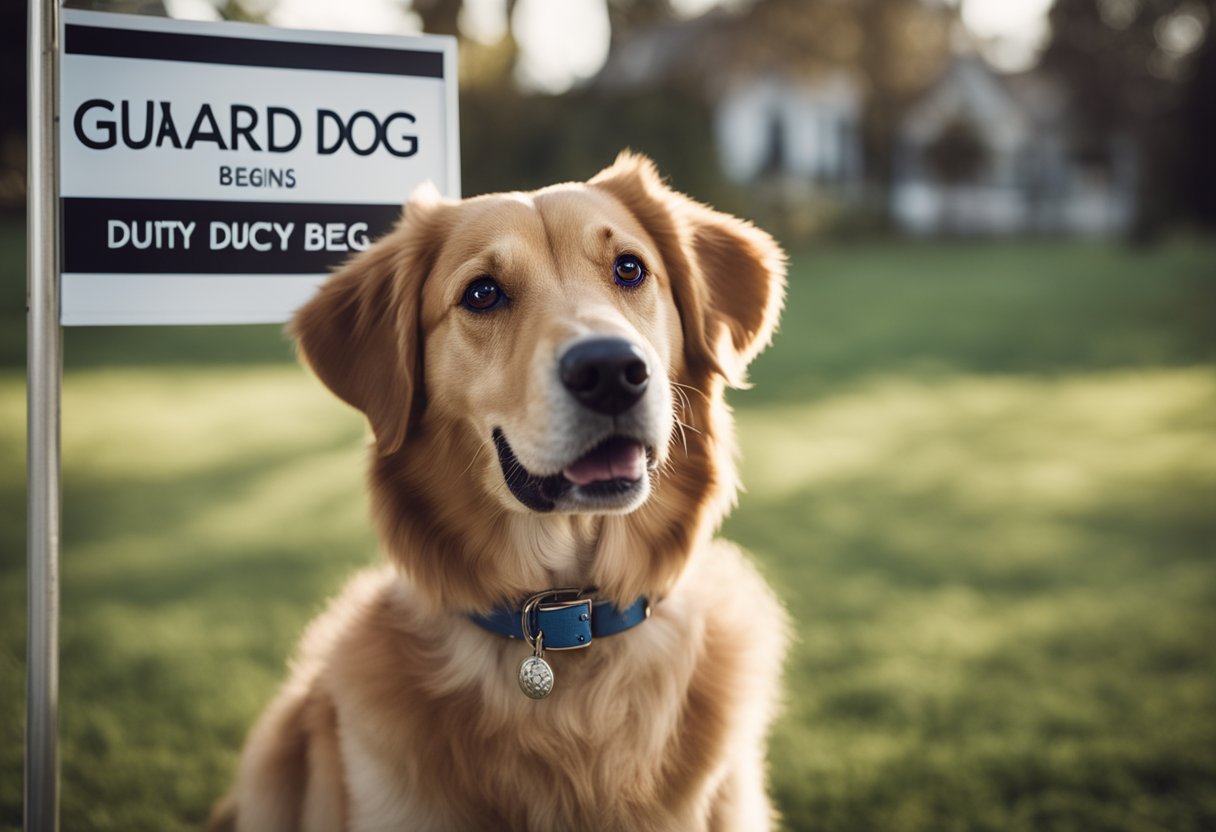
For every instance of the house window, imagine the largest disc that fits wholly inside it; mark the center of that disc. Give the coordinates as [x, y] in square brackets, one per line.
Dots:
[775, 152]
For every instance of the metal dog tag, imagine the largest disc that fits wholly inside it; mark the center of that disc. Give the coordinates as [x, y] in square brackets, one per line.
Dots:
[535, 675]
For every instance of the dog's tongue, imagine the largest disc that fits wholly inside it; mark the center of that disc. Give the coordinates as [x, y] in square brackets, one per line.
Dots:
[618, 458]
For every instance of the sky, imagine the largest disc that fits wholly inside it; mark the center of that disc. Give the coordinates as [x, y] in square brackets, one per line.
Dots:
[1017, 29]
[563, 42]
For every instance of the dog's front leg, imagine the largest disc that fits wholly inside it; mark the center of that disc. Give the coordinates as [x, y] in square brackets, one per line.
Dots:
[291, 777]
[741, 803]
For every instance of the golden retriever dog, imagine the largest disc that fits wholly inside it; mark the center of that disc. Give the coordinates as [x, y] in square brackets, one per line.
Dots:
[557, 640]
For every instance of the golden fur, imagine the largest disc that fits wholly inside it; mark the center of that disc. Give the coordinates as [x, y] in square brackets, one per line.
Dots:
[399, 712]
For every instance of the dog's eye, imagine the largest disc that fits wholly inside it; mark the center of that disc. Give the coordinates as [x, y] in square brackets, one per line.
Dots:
[628, 271]
[483, 294]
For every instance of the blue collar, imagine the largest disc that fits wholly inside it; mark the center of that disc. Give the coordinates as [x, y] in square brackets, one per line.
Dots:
[563, 618]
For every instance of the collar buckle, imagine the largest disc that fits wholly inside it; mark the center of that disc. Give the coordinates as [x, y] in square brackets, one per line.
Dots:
[561, 617]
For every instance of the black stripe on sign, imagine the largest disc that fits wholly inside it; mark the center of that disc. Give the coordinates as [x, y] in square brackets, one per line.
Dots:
[218, 49]
[122, 236]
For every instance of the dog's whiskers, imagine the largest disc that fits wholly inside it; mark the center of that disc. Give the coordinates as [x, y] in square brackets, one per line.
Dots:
[685, 406]
[696, 390]
[684, 425]
[469, 467]
[681, 428]
[682, 407]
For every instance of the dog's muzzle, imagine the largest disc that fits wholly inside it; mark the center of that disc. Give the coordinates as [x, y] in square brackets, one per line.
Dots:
[603, 435]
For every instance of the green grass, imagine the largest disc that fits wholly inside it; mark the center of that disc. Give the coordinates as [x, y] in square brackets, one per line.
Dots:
[981, 477]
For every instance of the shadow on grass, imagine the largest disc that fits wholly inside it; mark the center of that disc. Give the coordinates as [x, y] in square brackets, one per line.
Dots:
[967, 664]
[188, 573]
[953, 674]
[176, 630]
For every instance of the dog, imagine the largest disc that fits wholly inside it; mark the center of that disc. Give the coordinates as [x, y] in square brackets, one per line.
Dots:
[557, 641]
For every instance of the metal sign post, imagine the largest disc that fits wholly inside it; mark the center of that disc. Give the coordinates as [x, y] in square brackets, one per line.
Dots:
[44, 369]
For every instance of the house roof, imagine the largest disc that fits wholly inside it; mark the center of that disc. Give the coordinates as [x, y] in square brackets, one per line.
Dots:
[1007, 110]
[716, 50]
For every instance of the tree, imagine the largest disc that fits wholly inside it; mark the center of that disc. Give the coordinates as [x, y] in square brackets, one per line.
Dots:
[1132, 66]
[12, 105]
[625, 15]
[439, 17]
[1199, 129]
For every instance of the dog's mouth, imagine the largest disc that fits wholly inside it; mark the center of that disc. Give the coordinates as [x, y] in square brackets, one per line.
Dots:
[613, 475]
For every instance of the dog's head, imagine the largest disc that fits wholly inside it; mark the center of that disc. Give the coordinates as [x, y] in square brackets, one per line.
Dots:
[548, 353]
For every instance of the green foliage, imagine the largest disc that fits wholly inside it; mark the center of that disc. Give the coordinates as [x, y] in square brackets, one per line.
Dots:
[981, 478]
[554, 139]
[1144, 68]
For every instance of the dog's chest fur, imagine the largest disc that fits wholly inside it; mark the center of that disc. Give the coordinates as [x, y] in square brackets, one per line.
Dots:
[435, 733]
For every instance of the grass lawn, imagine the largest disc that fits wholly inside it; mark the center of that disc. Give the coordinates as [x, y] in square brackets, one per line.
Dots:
[982, 477]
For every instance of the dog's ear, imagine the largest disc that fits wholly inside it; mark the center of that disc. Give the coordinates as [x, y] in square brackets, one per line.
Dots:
[728, 276]
[359, 333]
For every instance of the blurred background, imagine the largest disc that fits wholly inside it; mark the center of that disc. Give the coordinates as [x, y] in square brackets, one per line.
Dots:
[980, 456]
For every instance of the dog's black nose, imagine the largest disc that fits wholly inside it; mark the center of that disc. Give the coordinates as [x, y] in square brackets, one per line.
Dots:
[607, 375]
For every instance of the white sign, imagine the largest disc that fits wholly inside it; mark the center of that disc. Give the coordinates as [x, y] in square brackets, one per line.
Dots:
[217, 172]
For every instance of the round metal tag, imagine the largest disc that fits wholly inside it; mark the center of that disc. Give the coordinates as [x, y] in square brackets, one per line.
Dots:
[535, 677]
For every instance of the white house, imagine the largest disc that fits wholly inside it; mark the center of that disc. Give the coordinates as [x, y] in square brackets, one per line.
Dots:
[976, 153]
[981, 153]
[772, 123]
[807, 129]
